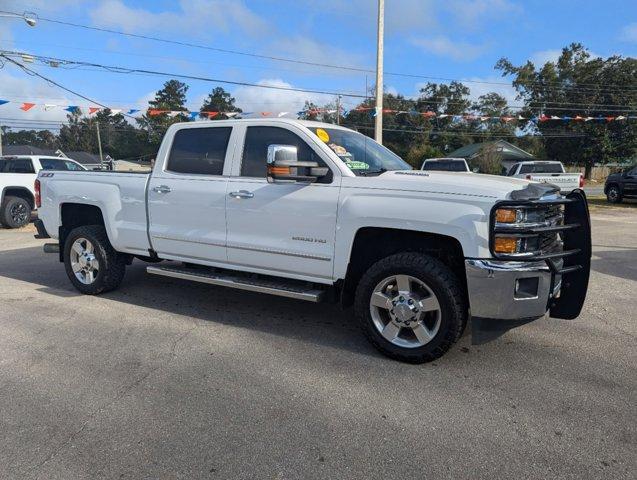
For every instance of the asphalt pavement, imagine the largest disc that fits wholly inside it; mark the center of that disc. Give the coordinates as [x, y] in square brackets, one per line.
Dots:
[169, 379]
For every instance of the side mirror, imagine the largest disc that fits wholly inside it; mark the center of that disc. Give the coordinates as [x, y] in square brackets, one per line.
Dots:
[283, 165]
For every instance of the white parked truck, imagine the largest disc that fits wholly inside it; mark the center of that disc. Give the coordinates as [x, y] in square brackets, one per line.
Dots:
[548, 172]
[17, 175]
[318, 212]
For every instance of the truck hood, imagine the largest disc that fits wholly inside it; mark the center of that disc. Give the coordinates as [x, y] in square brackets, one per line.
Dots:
[458, 183]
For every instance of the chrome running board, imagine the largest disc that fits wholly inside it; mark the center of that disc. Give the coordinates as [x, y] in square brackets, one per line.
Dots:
[269, 285]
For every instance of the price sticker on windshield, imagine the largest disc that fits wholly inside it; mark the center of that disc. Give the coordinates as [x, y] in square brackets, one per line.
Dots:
[323, 135]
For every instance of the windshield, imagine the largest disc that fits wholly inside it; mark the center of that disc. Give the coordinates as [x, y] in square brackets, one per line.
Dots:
[362, 155]
[445, 165]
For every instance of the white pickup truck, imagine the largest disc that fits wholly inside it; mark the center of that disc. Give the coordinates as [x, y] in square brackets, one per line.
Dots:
[17, 175]
[548, 172]
[318, 212]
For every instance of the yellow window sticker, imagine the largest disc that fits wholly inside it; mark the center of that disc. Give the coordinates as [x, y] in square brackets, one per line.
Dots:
[323, 135]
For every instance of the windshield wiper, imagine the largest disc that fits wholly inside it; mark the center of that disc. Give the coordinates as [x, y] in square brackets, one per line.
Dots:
[368, 173]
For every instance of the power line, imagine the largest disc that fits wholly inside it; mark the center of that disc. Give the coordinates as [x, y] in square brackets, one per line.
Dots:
[61, 63]
[307, 62]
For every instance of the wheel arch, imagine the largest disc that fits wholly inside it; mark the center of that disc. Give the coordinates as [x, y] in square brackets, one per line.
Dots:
[73, 215]
[374, 243]
[21, 192]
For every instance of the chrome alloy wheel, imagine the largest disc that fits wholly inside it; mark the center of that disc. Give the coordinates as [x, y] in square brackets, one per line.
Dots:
[405, 311]
[83, 261]
[19, 213]
[613, 194]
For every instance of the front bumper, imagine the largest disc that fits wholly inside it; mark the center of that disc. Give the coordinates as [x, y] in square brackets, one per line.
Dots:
[507, 290]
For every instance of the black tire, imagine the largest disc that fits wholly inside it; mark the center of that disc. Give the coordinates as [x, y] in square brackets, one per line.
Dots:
[112, 265]
[15, 212]
[444, 284]
[613, 195]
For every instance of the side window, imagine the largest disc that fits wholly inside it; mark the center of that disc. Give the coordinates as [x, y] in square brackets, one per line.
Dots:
[512, 170]
[255, 150]
[51, 164]
[74, 167]
[20, 165]
[526, 169]
[199, 151]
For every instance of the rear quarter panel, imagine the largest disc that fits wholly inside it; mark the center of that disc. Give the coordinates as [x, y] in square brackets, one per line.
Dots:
[120, 196]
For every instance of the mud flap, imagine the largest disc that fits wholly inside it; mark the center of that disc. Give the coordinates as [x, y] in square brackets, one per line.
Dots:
[575, 283]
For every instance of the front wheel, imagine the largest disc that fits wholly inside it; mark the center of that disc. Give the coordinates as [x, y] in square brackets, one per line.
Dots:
[613, 195]
[411, 307]
[91, 263]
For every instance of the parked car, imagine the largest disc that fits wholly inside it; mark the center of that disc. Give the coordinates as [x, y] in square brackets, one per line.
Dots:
[318, 212]
[446, 165]
[17, 174]
[621, 185]
[548, 172]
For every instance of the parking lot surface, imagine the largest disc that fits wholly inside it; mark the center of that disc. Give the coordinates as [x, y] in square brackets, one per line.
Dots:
[169, 379]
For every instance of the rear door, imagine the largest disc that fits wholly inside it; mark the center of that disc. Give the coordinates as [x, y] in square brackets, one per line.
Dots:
[285, 228]
[187, 197]
[630, 182]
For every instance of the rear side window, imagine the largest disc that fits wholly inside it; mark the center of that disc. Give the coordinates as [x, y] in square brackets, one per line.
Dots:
[541, 168]
[16, 165]
[53, 164]
[199, 151]
[255, 150]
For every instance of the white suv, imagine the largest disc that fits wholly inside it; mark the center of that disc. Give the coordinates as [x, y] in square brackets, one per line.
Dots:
[17, 176]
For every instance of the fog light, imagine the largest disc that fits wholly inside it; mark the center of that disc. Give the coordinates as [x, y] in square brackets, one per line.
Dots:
[506, 215]
[506, 244]
[526, 287]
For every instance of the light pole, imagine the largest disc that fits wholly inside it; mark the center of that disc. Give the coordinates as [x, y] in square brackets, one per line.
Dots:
[30, 18]
[379, 73]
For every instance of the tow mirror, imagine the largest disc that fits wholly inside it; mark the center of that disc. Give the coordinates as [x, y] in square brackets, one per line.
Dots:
[284, 165]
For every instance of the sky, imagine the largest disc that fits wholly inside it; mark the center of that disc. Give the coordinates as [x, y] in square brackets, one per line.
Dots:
[450, 39]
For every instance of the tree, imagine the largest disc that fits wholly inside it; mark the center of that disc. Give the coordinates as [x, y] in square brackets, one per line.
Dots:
[171, 98]
[218, 101]
[578, 84]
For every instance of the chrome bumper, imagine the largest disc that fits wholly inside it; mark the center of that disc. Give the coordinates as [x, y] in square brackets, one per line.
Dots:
[508, 290]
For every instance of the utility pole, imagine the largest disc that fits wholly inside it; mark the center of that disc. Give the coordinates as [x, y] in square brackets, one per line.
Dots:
[99, 144]
[338, 110]
[379, 73]
[0, 141]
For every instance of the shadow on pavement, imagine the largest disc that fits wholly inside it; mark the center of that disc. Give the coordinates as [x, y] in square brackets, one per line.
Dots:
[618, 263]
[324, 324]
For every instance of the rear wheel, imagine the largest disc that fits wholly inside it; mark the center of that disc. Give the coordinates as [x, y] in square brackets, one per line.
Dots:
[91, 263]
[15, 212]
[613, 195]
[411, 307]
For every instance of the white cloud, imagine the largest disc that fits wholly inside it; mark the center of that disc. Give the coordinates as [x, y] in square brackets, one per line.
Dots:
[195, 17]
[629, 33]
[545, 56]
[444, 46]
[483, 85]
[476, 13]
[255, 99]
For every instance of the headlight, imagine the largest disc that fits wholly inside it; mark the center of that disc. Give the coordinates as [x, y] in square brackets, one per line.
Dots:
[526, 230]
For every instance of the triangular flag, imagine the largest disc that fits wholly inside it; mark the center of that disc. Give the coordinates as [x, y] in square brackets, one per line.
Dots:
[27, 106]
[49, 106]
[620, 117]
[555, 117]
[72, 108]
[443, 115]
[116, 111]
[265, 114]
[232, 114]
[212, 115]
[154, 111]
[2, 102]
[193, 115]
[132, 110]
[588, 119]
[174, 113]
[282, 114]
[92, 110]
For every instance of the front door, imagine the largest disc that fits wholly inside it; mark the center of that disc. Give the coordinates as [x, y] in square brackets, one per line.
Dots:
[285, 228]
[187, 198]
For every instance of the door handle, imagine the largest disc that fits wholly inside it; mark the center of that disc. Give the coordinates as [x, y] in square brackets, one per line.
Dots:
[161, 189]
[241, 194]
